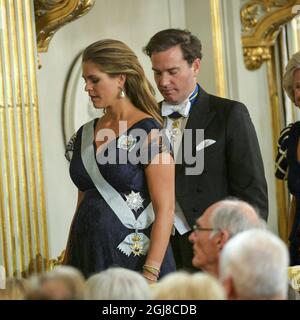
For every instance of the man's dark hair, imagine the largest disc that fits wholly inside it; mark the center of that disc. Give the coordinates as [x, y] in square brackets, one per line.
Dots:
[163, 40]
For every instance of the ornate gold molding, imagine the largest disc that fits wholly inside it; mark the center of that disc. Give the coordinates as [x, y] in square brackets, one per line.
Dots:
[261, 22]
[50, 15]
[57, 261]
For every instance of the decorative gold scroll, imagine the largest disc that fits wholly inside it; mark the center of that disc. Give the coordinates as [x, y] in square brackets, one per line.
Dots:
[52, 263]
[261, 22]
[51, 15]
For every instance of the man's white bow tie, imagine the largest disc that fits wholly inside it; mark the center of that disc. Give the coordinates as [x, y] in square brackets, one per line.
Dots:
[182, 108]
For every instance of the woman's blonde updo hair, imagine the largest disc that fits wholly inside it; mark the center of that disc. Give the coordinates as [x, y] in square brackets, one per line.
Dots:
[181, 285]
[288, 77]
[114, 57]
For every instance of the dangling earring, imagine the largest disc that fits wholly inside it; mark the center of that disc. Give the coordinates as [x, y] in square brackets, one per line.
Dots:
[122, 93]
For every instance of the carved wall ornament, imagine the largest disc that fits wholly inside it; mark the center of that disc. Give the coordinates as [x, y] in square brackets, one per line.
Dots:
[56, 261]
[262, 21]
[249, 17]
[254, 57]
[50, 15]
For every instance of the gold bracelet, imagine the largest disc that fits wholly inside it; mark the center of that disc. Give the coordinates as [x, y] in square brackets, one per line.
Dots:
[151, 267]
[154, 280]
[152, 270]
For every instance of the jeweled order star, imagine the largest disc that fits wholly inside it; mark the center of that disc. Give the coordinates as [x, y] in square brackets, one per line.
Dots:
[134, 200]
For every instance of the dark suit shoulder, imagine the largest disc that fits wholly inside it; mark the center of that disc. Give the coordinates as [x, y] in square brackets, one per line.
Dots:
[219, 104]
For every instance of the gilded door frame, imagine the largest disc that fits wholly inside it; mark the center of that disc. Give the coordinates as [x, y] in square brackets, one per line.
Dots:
[262, 21]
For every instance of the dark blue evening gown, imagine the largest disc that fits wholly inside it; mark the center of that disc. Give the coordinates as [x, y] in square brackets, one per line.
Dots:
[294, 188]
[96, 231]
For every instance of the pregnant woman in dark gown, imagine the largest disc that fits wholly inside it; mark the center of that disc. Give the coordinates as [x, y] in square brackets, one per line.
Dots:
[123, 170]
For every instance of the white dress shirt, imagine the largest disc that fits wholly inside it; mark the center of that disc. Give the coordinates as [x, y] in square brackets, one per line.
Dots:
[175, 137]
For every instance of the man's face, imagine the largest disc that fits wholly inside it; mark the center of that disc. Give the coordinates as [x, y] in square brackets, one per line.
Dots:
[174, 77]
[206, 251]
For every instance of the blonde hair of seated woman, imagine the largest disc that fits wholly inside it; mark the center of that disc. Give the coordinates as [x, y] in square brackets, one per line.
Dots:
[15, 289]
[184, 286]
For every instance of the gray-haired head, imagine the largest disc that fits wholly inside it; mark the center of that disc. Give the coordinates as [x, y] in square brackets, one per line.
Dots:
[288, 77]
[117, 284]
[235, 216]
[253, 265]
[216, 226]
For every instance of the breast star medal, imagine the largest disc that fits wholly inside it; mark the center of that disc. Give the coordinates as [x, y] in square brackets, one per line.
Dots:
[134, 200]
[126, 142]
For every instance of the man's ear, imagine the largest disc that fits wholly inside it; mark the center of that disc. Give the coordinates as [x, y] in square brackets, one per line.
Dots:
[196, 66]
[221, 238]
[229, 288]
